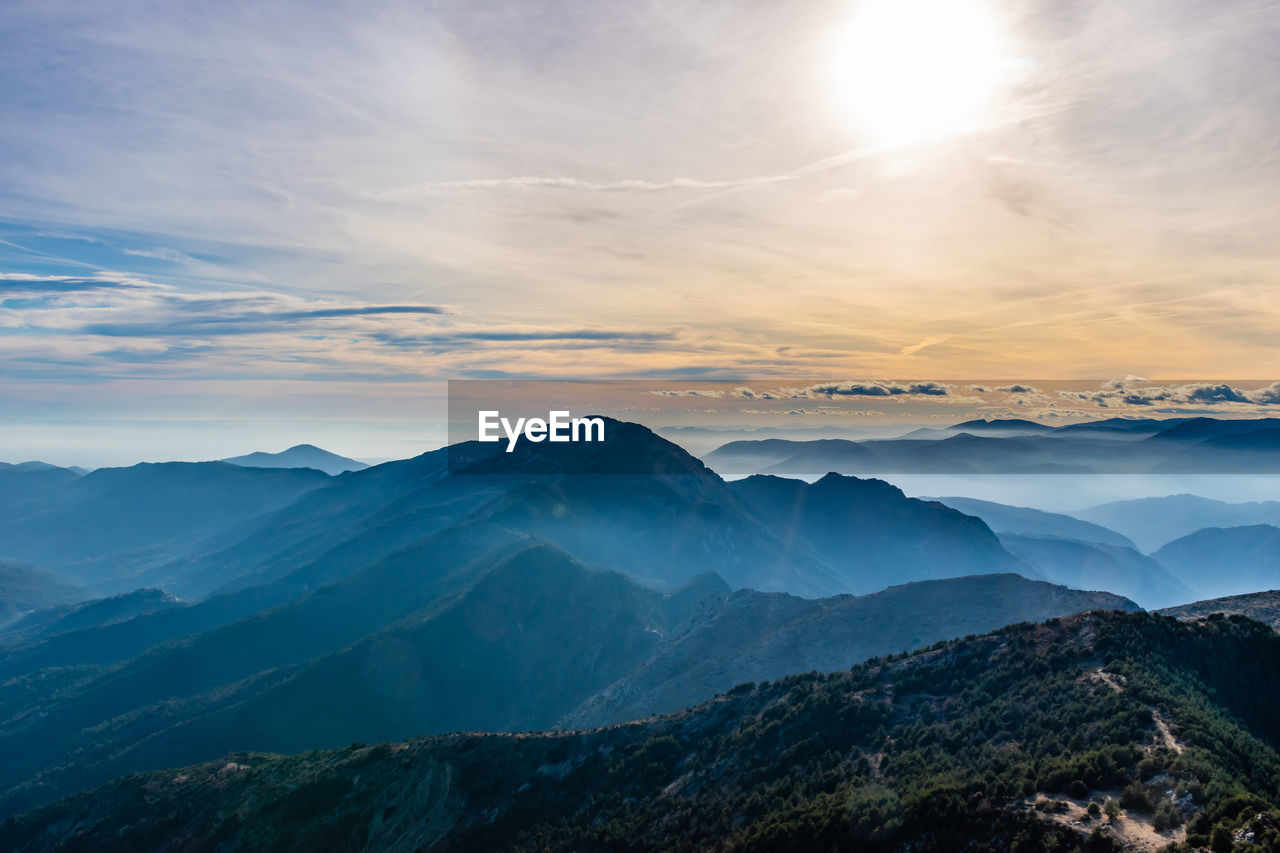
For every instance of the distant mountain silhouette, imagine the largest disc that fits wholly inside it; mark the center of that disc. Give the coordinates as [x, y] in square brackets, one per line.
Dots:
[1152, 522]
[1136, 427]
[1254, 441]
[1003, 518]
[1222, 561]
[1001, 425]
[31, 483]
[1090, 565]
[113, 529]
[1199, 429]
[998, 427]
[1022, 447]
[299, 456]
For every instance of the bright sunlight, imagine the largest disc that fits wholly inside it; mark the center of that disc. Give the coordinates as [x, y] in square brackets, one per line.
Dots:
[915, 68]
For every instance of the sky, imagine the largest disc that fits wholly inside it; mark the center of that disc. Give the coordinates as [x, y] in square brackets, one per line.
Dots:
[237, 226]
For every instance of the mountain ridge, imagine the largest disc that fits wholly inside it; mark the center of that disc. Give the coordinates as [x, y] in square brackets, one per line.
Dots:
[299, 456]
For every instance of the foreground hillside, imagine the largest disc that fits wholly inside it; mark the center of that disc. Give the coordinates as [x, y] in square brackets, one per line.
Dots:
[989, 743]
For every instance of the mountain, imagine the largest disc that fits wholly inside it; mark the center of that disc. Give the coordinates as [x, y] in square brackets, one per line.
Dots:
[755, 636]
[1262, 606]
[112, 529]
[24, 588]
[1152, 522]
[1090, 565]
[66, 618]
[1133, 427]
[1023, 447]
[1221, 561]
[299, 456]
[475, 629]
[1254, 441]
[1200, 429]
[991, 452]
[636, 503]
[990, 743]
[1002, 426]
[318, 603]
[1003, 518]
[333, 531]
[873, 533]
[31, 483]
[999, 426]
[102, 714]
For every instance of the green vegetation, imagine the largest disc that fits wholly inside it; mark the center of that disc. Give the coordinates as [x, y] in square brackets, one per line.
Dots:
[973, 743]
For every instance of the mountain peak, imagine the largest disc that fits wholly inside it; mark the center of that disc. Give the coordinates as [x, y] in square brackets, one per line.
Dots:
[627, 448]
[1003, 424]
[299, 456]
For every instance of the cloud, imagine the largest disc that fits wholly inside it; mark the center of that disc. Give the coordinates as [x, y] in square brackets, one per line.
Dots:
[294, 130]
[689, 392]
[171, 255]
[529, 182]
[1218, 394]
[245, 323]
[1269, 396]
[819, 412]
[1124, 383]
[877, 389]
[1017, 389]
[570, 335]
[24, 284]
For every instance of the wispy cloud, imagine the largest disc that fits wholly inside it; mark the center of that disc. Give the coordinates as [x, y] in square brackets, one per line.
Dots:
[659, 189]
[566, 183]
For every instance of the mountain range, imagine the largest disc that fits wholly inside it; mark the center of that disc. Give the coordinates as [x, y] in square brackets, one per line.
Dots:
[1026, 521]
[575, 586]
[1091, 565]
[1156, 521]
[299, 456]
[989, 743]
[478, 628]
[32, 482]
[1218, 561]
[114, 529]
[1195, 445]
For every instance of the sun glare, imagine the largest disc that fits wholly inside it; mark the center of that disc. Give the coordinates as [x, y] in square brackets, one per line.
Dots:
[914, 68]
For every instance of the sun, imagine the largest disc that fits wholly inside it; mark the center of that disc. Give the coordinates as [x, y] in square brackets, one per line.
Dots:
[911, 69]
